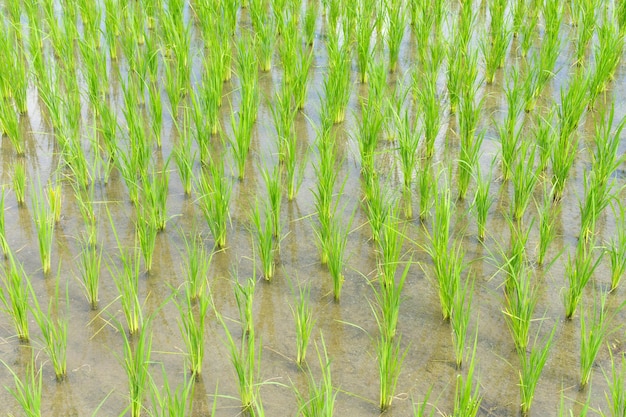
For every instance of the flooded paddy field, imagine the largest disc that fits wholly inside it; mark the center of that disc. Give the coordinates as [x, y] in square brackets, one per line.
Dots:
[437, 193]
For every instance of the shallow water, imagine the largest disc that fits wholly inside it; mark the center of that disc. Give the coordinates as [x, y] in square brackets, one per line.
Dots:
[96, 377]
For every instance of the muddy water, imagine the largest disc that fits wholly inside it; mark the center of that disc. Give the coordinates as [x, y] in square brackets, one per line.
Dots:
[95, 374]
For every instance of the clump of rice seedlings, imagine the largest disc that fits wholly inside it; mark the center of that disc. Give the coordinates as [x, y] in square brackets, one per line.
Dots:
[304, 320]
[146, 234]
[154, 195]
[89, 261]
[510, 130]
[300, 83]
[191, 327]
[337, 83]
[274, 192]
[126, 280]
[585, 22]
[520, 301]
[19, 182]
[390, 360]
[596, 199]
[426, 185]
[429, 103]
[377, 204]
[496, 42]
[266, 38]
[390, 240]
[319, 401]
[617, 248]
[136, 363]
[467, 398]
[284, 116]
[365, 23]
[155, 108]
[54, 197]
[593, 334]
[310, 20]
[482, 202]
[531, 366]
[214, 198]
[265, 242]
[372, 118]
[210, 94]
[523, 178]
[85, 200]
[246, 360]
[607, 53]
[335, 251]
[28, 391]
[244, 296]
[44, 223]
[548, 215]
[516, 259]
[196, 265]
[14, 296]
[53, 330]
[616, 397]
[545, 137]
[469, 117]
[396, 19]
[579, 270]
[4, 245]
[185, 156]
[408, 141]
[387, 308]
[166, 403]
[9, 126]
[459, 317]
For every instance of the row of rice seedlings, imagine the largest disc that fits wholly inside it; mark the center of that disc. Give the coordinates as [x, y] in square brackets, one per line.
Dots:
[263, 232]
[496, 42]
[617, 247]
[28, 390]
[531, 366]
[304, 321]
[53, 329]
[319, 400]
[594, 333]
[214, 191]
[136, 362]
[192, 328]
[579, 270]
[607, 55]
[14, 295]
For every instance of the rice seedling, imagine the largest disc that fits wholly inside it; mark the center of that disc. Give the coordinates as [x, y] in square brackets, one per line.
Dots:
[607, 53]
[520, 301]
[510, 131]
[126, 280]
[310, 21]
[337, 84]
[275, 196]
[495, 44]
[617, 248]
[136, 362]
[387, 307]
[548, 215]
[214, 198]
[196, 265]
[300, 84]
[482, 202]
[244, 296]
[531, 366]
[304, 321]
[53, 329]
[246, 360]
[166, 403]
[4, 245]
[515, 260]
[265, 242]
[185, 156]
[523, 178]
[426, 185]
[146, 234]
[89, 261]
[467, 398]
[14, 296]
[408, 141]
[396, 19]
[390, 241]
[210, 93]
[365, 23]
[459, 317]
[44, 223]
[155, 107]
[319, 400]
[192, 328]
[585, 22]
[596, 199]
[9, 126]
[579, 270]
[377, 205]
[266, 38]
[19, 182]
[242, 138]
[335, 250]
[390, 360]
[154, 195]
[372, 119]
[616, 396]
[27, 391]
[545, 137]
[593, 334]
[429, 102]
